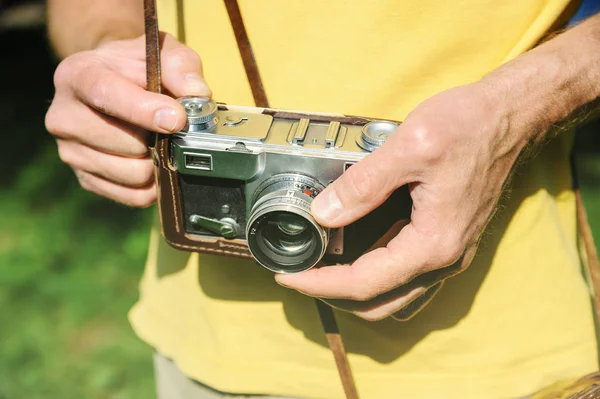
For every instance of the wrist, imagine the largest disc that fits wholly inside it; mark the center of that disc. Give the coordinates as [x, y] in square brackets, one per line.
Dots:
[92, 41]
[525, 94]
[81, 25]
[545, 86]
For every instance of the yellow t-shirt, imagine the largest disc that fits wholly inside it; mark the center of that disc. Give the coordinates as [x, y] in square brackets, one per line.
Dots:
[518, 319]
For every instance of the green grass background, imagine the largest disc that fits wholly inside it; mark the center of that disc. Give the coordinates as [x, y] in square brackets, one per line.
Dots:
[70, 261]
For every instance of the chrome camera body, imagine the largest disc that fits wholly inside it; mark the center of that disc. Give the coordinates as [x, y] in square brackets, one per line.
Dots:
[251, 174]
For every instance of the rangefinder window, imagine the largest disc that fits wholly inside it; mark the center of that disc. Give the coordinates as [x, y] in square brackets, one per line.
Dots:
[198, 161]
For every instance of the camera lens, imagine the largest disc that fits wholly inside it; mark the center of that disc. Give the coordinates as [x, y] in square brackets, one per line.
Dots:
[291, 225]
[282, 235]
[287, 247]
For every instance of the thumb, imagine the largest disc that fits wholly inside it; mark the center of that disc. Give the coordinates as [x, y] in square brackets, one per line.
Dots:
[362, 188]
[182, 70]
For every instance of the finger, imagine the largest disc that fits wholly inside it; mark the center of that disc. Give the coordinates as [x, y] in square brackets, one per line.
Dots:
[76, 121]
[359, 190]
[418, 304]
[129, 172]
[114, 95]
[182, 70]
[140, 197]
[384, 305]
[408, 255]
[181, 67]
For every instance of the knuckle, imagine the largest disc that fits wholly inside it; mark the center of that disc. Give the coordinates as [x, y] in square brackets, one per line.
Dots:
[144, 172]
[142, 199]
[362, 294]
[64, 71]
[99, 94]
[450, 250]
[69, 67]
[52, 120]
[138, 150]
[372, 315]
[59, 122]
[85, 180]
[65, 153]
[427, 143]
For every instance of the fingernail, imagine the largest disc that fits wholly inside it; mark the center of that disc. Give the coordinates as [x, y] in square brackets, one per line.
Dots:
[327, 207]
[166, 119]
[195, 84]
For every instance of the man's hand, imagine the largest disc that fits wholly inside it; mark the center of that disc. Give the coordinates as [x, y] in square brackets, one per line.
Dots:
[455, 151]
[101, 111]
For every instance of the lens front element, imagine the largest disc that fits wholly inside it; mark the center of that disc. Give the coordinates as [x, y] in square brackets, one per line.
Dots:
[287, 234]
[290, 224]
[287, 251]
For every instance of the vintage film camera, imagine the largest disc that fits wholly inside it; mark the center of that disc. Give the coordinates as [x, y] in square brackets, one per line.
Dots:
[242, 180]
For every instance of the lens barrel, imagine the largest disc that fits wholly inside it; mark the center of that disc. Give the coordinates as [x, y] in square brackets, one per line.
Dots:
[282, 234]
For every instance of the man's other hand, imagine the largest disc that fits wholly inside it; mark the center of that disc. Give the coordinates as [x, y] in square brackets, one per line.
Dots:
[455, 151]
[101, 112]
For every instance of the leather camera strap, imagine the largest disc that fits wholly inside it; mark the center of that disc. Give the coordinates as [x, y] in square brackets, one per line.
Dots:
[336, 344]
[590, 249]
[153, 82]
[241, 36]
[589, 246]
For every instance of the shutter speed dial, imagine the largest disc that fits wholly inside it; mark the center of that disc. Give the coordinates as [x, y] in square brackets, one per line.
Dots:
[374, 134]
[201, 112]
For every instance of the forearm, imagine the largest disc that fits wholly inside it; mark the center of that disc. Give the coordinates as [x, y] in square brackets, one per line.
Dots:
[546, 85]
[77, 25]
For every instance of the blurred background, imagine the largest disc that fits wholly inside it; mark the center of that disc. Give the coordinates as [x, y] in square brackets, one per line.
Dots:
[70, 261]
